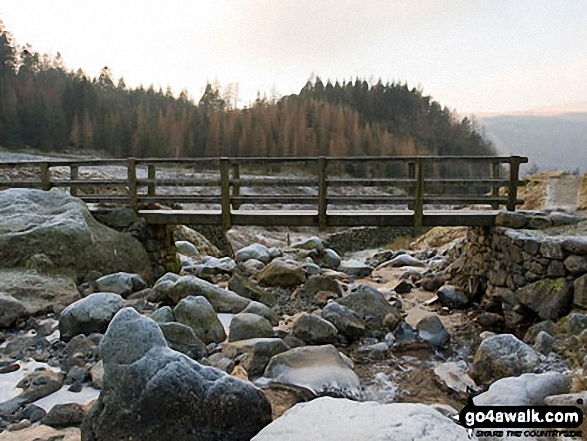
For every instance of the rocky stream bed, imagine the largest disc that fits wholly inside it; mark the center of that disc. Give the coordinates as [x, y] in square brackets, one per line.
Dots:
[298, 341]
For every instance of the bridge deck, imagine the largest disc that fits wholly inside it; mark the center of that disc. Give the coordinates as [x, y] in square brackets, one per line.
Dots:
[309, 218]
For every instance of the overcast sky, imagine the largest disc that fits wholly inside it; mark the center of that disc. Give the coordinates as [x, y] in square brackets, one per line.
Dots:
[471, 55]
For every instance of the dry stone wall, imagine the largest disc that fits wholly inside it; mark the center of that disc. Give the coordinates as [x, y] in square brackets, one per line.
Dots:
[523, 272]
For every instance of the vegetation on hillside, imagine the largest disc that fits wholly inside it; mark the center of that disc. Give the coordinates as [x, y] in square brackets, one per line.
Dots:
[46, 106]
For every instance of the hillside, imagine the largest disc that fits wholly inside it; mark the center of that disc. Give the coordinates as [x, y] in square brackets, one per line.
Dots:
[551, 141]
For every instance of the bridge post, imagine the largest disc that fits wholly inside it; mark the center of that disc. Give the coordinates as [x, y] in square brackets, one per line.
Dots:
[45, 176]
[495, 172]
[152, 175]
[131, 169]
[322, 193]
[236, 187]
[412, 175]
[515, 162]
[225, 193]
[73, 176]
[419, 196]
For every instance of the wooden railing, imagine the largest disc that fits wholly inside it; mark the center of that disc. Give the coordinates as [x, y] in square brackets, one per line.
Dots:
[416, 182]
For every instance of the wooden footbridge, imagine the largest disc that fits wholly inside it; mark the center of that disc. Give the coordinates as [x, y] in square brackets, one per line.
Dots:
[414, 188]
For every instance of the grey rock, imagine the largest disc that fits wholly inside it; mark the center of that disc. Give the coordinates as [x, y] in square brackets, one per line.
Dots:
[275, 252]
[552, 249]
[182, 338]
[282, 272]
[511, 220]
[314, 329]
[539, 222]
[550, 298]
[330, 259]
[259, 352]
[318, 283]
[503, 356]
[328, 419]
[60, 226]
[89, 315]
[36, 385]
[575, 245]
[77, 374]
[262, 310]
[197, 313]
[401, 261]
[219, 361]
[207, 404]
[163, 315]
[580, 291]
[254, 251]
[376, 352]
[355, 268]
[525, 390]
[97, 375]
[452, 297]
[545, 325]
[312, 243]
[187, 249]
[39, 293]
[65, 415]
[431, 330]
[403, 287]
[222, 300]
[346, 321]
[250, 290]
[543, 343]
[369, 304]
[555, 269]
[251, 267]
[245, 326]
[431, 284]
[559, 219]
[576, 265]
[11, 310]
[121, 283]
[320, 369]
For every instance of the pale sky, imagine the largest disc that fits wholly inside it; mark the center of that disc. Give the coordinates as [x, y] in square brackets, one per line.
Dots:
[470, 55]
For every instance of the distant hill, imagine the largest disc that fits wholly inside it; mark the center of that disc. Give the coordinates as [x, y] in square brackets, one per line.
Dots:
[551, 140]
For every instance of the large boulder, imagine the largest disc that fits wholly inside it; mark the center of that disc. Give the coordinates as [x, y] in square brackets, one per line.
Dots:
[314, 330]
[247, 325]
[89, 315]
[263, 311]
[502, 356]
[121, 283]
[550, 298]
[282, 272]
[39, 293]
[355, 268]
[153, 393]
[321, 369]
[335, 419]
[60, 226]
[222, 300]
[197, 313]
[259, 352]
[580, 291]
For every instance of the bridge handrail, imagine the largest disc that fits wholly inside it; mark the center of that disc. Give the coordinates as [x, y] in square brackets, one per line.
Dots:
[227, 181]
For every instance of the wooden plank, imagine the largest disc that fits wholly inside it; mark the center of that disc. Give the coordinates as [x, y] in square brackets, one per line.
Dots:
[45, 176]
[89, 182]
[131, 167]
[514, 178]
[322, 193]
[419, 197]
[180, 199]
[375, 182]
[152, 175]
[310, 218]
[236, 186]
[73, 177]
[21, 184]
[225, 192]
[180, 182]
